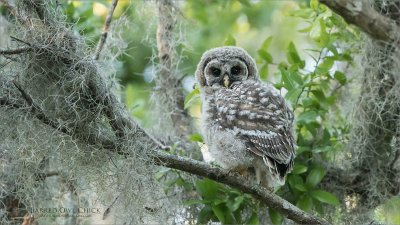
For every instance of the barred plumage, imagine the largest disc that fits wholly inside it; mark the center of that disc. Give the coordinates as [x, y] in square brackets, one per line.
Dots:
[246, 123]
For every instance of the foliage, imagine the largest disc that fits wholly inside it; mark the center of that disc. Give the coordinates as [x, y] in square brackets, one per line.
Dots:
[313, 93]
[310, 74]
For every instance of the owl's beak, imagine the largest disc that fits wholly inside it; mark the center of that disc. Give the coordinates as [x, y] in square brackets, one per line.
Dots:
[226, 81]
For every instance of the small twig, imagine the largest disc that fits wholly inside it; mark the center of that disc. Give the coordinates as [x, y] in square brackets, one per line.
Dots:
[12, 10]
[108, 210]
[15, 51]
[19, 40]
[38, 112]
[106, 28]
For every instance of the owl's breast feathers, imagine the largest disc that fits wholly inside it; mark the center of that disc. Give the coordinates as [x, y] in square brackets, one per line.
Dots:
[257, 114]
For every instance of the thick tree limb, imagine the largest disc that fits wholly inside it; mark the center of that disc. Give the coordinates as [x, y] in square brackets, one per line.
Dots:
[364, 16]
[236, 181]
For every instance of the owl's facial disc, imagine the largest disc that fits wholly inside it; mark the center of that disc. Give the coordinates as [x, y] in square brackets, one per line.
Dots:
[225, 72]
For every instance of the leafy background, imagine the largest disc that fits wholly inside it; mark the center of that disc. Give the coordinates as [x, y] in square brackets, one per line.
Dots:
[300, 46]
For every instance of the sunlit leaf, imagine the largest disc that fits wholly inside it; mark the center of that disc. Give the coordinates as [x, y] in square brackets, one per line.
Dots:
[265, 55]
[230, 41]
[314, 4]
[293, 95]
[264, 71]
[196, 137]
[326, 65]
[293, 56]
[266, 43]
[191, 98]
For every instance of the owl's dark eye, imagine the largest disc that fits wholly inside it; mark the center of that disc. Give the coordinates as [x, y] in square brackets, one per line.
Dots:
[215, 71]
[235, 70]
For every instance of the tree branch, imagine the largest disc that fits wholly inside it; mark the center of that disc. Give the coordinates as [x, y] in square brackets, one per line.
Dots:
[106, 28]
[15, 51]
[270, 199]
[205, 170]
[364, 16]
[169, 86]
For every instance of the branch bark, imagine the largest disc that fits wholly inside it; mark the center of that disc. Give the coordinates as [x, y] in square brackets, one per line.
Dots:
[168, 85]
[106, 28]
[270, 199]
[365, 17]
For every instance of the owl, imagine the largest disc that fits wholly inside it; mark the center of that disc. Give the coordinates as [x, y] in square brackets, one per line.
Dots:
[246, 124]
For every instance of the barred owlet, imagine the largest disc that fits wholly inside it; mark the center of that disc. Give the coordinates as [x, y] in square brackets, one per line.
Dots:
[246, 123]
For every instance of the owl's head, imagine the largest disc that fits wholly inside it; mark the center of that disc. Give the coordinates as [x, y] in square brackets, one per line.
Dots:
[225, 65]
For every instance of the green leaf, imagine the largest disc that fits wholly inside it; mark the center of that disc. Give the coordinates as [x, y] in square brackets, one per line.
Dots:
[303, 13]
[293, 56]
[266, 43]
[324, 196]
[265, 55]
[253, 220]
[230, 41]
[264, 71]
[318, 31]
[323, 149]
[307, 117]
[299, 169]
[339, 76]
[293, 95]
[196, 138]
[191, 98]
[276, 217]
[219, 213]
[238, 201]
[205, 214]
[288, 82]
[223, 214]
[161, 173]
[300, 187]
[325, 66]
[315, 176]
[296, 77]
[314, 4]
[207, 188]
[306, 29]
[305, 203]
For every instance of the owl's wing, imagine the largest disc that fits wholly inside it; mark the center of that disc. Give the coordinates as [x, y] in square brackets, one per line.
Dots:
[259, 115]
